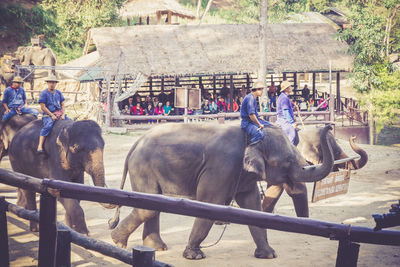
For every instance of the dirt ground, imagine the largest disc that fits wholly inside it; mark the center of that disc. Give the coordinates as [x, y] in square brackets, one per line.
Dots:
[372, 190]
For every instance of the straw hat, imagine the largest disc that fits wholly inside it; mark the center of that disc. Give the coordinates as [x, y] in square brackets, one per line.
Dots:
[257, 85]
[51, 78]
[284, 85]
[17, 79]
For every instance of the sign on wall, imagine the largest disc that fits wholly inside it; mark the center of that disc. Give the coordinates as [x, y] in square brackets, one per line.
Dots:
[336, 183]
[193, 95]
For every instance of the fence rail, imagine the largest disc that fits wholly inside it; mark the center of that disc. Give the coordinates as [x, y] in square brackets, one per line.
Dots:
[341, 232]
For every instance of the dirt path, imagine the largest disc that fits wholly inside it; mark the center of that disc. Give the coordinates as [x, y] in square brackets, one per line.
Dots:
[372, 190]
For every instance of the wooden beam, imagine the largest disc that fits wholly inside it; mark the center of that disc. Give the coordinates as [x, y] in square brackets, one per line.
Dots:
[231, 86]
[313, 88]
[158, 17]
[169, 17]
[47, 231]
[214, 85]
[4, 254]
[148, 20]
[338, 102]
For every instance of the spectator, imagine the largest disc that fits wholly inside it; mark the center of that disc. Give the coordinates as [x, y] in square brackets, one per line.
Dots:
[130, 103]
[214, 107]
[137, 110]
[243, 91]
[272, 89]
[167, 108]
[155, 101]
[235, 106]
[221, 105]
[162, 97]
[159, 110]
[206, 107]
[264, 104]
[126, 110]
[224, 91]
[322, 104]
[305, 93]
[150, 111]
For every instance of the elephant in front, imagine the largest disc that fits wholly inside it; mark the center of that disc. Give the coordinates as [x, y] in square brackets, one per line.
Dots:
[209, 164]
[72, 148]
[311, 149]
[38, 56]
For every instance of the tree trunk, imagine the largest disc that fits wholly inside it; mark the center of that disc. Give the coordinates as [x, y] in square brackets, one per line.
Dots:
[206, 10]
[198, 9]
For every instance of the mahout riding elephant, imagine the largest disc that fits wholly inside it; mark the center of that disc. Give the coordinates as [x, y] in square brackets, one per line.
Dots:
[72, 148]
[310, 147]
[38, 56]
[9, 128]
[207, 163]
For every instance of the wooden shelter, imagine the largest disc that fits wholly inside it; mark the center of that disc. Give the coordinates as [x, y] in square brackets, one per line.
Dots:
[216, 56]
[158, 8]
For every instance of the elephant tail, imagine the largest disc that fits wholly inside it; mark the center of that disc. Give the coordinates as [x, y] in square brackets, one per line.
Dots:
[113, 222]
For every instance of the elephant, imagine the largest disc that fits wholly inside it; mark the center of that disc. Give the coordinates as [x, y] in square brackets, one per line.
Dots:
[38, 56]
[7, 71]
[9, 128]
[210, 163]
[72, 148]
[310, 147]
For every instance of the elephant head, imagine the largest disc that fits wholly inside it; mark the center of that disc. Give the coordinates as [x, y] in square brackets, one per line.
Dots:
[81, 148]
[278, 161]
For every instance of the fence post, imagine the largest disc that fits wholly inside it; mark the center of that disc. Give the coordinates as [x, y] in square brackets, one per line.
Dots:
[63, 255]
[47, 230]
[143, 256]
[4, 256]
[347, 255]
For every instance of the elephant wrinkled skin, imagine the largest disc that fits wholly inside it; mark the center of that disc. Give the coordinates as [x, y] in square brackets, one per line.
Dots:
[207, 163]
[72, 148]
[310, 147]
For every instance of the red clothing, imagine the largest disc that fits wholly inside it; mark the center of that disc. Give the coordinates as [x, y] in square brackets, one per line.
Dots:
[134, 111]
[159, 111]
[235, 106]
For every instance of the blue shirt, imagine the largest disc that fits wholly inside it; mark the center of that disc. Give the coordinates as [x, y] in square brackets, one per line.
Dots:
[248, 106]
[284, 109]
[14, 98]
[52, 101]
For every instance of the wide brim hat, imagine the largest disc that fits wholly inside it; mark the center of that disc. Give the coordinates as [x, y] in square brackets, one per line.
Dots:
[51, 78]
[258, 85]
[285, 85]
[17, 79]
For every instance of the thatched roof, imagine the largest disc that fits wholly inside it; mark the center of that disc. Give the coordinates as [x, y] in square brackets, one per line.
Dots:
[210, 49]
[133, 8]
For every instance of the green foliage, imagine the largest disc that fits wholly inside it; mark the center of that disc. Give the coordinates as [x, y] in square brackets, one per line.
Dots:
[74, 18]
[20, 24]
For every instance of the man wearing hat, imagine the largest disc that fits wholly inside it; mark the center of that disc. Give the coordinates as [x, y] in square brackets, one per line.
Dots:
[285, 116]
[251, 123]
[14, 100]
[52, 104]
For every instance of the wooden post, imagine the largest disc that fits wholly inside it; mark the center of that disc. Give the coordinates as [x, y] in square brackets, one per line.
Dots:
[148, 20]
[169, 17]
[347, 255]
[331, 99]
[262, 45]
[313, 88]
[4, 254]
[158, 17]
[214, 85]
[248, 81]
[47, 230]
[295, 80]
[128, 21]
[140, 20]
[63, 255]
[284, 76]
[177, 81]
[143, 256]
[162, 83]
[338, 102]
[151, 85]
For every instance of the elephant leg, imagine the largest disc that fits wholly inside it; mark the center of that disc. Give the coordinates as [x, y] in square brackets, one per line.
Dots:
[130, 223]
[251, 200]
[298, 193]
[27, 200]
[200, 230]
[74, 216]
[271, 197]
[151, 234]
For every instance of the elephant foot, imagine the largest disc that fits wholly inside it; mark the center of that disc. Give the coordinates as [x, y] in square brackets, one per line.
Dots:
[193, 254]
[118, 240]
[266, 253]
[157, 244]
[34, 227]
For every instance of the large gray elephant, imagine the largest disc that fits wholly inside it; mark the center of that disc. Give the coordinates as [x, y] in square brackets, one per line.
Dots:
[311, 149]
[72, 148]
[209, 164]
[38, 56]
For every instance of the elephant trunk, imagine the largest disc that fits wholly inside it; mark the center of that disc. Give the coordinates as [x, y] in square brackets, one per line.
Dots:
[318, 172]
[95, 168]
[358, 164]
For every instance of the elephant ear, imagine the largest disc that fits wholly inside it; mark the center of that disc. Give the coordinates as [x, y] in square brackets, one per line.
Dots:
[62, 143]
[253, 161]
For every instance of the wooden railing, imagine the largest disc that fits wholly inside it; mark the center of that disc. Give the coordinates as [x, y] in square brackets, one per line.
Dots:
[51, 189]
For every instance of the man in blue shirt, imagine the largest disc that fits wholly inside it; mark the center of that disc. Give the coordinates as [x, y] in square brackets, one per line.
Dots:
[285, 116]
[14, 100]
[251, 122]
[52, 104]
